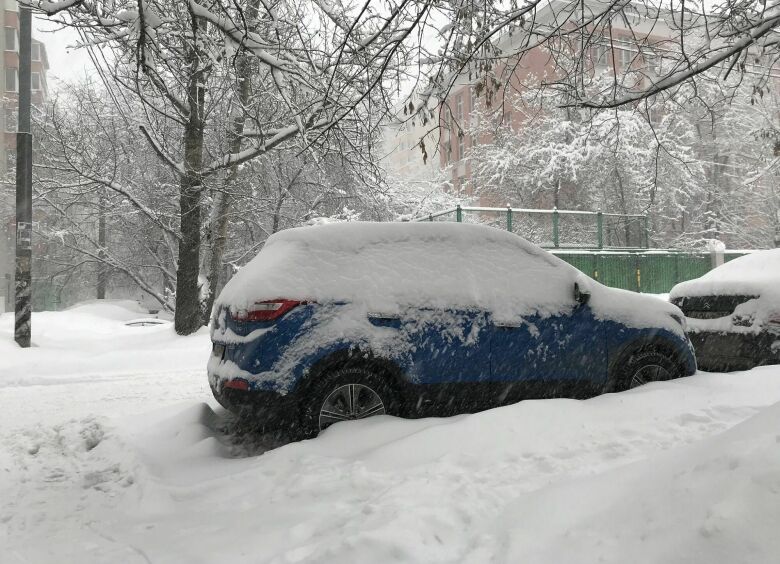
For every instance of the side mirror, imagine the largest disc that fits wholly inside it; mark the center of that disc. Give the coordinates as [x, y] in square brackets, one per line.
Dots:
[582, 297]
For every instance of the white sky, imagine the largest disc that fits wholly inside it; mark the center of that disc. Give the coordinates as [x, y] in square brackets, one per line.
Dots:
[66, 64]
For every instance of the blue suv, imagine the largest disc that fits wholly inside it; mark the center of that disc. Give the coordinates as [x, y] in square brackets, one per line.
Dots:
[344, 321]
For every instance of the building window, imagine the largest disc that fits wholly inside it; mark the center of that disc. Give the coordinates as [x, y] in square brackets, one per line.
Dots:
[459, 109]
[600, 55]
[35, 81]
[10, 120]
[10, 80]
[447, 152]
[461, 146]
[654, 62]
[506, 120]
[655, 114]
[461, 183]
[35, 52]
[626, 57]
[10, 39]
[473, 99]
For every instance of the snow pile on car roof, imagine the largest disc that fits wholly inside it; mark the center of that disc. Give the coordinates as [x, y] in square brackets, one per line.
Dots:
[754, 274]
[387, 265]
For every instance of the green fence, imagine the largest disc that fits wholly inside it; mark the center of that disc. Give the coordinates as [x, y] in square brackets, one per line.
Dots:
[609, 247]
[654, 272]
[556, 228]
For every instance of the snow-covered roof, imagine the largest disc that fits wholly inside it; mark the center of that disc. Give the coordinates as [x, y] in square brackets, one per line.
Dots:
[386, 266]
[755, 274]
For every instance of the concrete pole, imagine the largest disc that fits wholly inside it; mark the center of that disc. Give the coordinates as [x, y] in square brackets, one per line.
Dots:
[23, 285]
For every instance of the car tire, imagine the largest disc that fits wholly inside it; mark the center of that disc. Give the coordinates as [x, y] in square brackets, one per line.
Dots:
[345, 394]
[642, 366]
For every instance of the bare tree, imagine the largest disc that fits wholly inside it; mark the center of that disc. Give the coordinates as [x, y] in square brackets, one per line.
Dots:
[287, 82]
[312, 74]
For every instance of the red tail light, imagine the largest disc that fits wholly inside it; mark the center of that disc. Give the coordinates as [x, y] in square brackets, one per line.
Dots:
[266, 311]
[237, 384]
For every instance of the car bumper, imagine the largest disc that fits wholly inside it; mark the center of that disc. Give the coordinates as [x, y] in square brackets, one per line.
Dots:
[725, 351]
[265, 408]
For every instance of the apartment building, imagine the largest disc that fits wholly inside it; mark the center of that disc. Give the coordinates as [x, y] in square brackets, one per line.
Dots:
[612, 56]
[10, 82]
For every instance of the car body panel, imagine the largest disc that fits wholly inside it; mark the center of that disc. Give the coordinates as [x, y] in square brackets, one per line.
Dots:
[726, 351]
[551, 348]
[452, 361]
[729, 332]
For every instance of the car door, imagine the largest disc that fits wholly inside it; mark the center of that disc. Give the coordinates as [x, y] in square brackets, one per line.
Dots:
[549, 356]
[449, 359]
[449, 346]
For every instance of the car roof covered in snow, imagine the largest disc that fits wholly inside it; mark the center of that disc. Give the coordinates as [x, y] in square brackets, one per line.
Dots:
[757, 273]
[387, 265]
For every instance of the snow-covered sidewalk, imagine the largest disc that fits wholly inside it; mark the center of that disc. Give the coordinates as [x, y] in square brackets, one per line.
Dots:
[110, 452]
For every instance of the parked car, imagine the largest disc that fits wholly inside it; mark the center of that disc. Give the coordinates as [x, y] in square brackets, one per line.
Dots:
[733, 312]
[344, 321]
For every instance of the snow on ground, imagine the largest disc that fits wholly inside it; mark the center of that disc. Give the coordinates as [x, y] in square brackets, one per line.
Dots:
[86, 360]
[111, 451]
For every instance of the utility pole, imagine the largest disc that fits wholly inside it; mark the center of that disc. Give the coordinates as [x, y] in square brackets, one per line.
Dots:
[23, 286]
[102, 274]
[777, 229]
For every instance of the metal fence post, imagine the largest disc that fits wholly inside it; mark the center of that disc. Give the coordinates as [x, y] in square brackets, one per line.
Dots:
[600, 228]
[458, 214]
[638, 267]
[647, 233]
[676, 269]
[555, 227]
[508, 218]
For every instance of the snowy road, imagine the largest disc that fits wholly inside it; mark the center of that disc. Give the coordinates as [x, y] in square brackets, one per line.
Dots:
[109, 453]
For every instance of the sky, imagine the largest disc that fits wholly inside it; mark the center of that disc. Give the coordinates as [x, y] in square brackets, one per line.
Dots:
[65, 63]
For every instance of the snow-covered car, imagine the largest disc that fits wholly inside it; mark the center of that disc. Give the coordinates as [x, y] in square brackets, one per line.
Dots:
[343, 321]
[733, 312]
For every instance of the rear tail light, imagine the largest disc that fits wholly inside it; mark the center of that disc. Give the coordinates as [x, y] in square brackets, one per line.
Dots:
[265, 311]
[237, 384]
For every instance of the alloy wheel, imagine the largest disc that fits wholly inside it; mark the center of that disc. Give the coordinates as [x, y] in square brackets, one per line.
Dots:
[350, 402]
[648, 373]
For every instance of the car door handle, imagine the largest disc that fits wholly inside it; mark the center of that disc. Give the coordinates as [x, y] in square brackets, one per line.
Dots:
[372, 315]
[508, 324]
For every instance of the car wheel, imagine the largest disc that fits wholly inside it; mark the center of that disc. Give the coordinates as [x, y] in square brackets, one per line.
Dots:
[346, 395]
[643, 366]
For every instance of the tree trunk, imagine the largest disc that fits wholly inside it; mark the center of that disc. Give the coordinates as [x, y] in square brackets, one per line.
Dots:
[278, 210]
[187, 317]
[216, 241]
